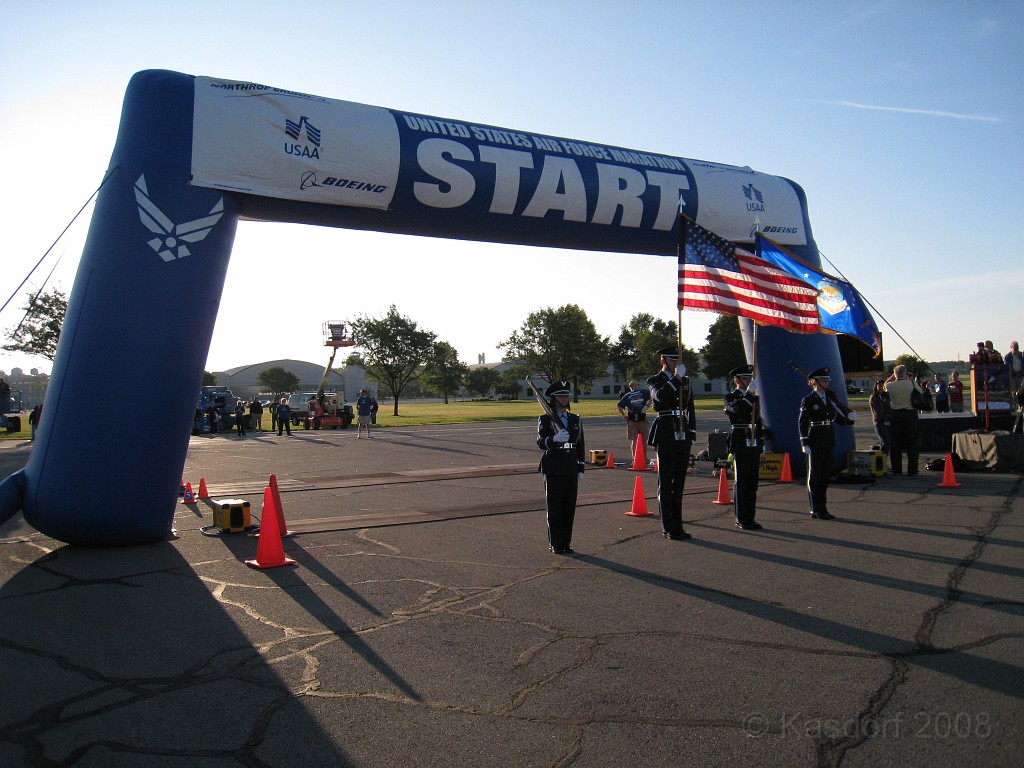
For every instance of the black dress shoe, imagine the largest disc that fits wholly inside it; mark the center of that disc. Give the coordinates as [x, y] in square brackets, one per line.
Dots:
[681, 536]
[749, 526]
[822, 516]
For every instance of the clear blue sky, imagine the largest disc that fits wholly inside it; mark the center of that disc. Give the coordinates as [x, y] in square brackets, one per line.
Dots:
[901, 120]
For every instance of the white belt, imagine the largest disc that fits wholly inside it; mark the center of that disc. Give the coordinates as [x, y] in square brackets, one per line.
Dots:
[820, 423]
[668, 413]
[568, 445]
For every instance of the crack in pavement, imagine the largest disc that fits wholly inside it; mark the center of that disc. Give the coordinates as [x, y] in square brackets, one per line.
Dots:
[831, 751]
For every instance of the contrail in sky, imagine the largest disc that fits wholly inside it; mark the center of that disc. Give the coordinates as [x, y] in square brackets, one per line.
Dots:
[910, 111]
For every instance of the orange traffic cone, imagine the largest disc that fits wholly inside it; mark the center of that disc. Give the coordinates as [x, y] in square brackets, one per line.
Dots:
[610, 462]
[639, 508]
[723, 487]
[270, 550]
[203, 493]
[279, 506]
[189, 497]
[786, 476]
[639, 456]
[948, 478]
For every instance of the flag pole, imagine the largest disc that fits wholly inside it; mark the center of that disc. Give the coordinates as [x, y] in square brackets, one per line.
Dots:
[680, 260]
[753, 411]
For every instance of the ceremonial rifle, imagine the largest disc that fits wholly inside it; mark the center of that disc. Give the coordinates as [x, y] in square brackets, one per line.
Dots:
[847, 410]
[544, 404]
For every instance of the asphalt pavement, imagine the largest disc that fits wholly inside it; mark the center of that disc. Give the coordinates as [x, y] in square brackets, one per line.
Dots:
[425, 622]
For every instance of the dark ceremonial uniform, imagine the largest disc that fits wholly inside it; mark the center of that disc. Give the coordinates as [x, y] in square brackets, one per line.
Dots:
[818, 415]
[672, 434]
[744, 409]
[561, 464]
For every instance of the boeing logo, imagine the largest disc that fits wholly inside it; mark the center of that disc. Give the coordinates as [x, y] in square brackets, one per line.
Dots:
[170, 244]
[308, 180]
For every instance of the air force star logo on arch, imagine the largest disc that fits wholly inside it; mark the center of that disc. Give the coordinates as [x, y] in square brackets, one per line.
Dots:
[170, 243]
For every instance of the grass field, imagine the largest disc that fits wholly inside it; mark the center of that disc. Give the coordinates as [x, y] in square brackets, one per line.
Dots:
[413, 413]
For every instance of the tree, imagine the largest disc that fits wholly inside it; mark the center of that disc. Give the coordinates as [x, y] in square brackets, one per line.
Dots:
[915, 365]
[481, 381]
[560, 344]
[444, 371]
[209, 380]
[278, 380]
[635, 354]
[511, 382]
[724, 350]
[39, 329]
[394, 349]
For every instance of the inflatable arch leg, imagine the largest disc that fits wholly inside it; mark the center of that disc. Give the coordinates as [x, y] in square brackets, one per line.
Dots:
[105, 471]
[782, 388]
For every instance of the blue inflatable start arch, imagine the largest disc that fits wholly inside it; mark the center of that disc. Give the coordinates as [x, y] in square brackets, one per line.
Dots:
[193, 154]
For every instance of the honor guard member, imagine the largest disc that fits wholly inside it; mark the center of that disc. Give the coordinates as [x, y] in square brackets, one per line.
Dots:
[746, 442]
[560, 436]
[672, 434]
[819, 412]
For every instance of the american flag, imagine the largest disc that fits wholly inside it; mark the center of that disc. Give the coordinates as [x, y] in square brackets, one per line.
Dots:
[717, 276]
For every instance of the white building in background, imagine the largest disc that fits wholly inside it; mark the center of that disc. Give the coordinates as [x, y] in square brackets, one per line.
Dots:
[27, 389]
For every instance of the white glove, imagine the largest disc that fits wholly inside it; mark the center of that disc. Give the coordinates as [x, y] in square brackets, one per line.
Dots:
[852, 416]
[807, 450]
[579, 476]
[561, 436]
[752, 389]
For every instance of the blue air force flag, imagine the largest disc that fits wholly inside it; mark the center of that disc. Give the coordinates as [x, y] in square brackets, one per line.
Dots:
[840, 307]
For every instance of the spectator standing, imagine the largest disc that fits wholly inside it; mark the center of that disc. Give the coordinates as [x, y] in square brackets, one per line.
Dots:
[955, 390]
[881, 415]
[374, 407]
[941, 394]
[240, 417]
[633, 407]
[33, 420]
[284, 417]
[1014, 362]
[256, 411]
[364, 413]
[926, 393]
[904, 421]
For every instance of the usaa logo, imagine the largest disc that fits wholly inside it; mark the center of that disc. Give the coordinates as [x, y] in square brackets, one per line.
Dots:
[294, 130]
[755, 200]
